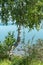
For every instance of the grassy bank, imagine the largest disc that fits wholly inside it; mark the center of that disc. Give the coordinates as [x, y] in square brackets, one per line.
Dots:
[19, 61]
[5, 62]
[36, 62]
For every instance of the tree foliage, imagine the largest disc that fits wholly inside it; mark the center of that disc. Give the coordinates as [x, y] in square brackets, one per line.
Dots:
[25, 12]
[6, 46]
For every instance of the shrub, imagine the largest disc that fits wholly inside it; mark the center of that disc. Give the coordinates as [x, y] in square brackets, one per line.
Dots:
[6, 46]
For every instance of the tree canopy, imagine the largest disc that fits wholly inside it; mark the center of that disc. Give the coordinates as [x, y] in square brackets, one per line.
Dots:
[25, 12]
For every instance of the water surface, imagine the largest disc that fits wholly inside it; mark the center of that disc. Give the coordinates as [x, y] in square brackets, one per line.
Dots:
[28, 34]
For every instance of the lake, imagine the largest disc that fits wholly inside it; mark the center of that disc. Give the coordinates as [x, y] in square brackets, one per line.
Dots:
[28, 34]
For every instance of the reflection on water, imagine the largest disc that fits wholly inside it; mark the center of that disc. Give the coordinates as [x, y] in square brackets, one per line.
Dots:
[28, 34]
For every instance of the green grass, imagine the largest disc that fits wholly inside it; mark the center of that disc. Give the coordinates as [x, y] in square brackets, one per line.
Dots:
[5, 62]
[36, 62]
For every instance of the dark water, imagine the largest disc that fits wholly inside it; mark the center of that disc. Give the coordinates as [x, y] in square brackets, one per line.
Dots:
[28, 34]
